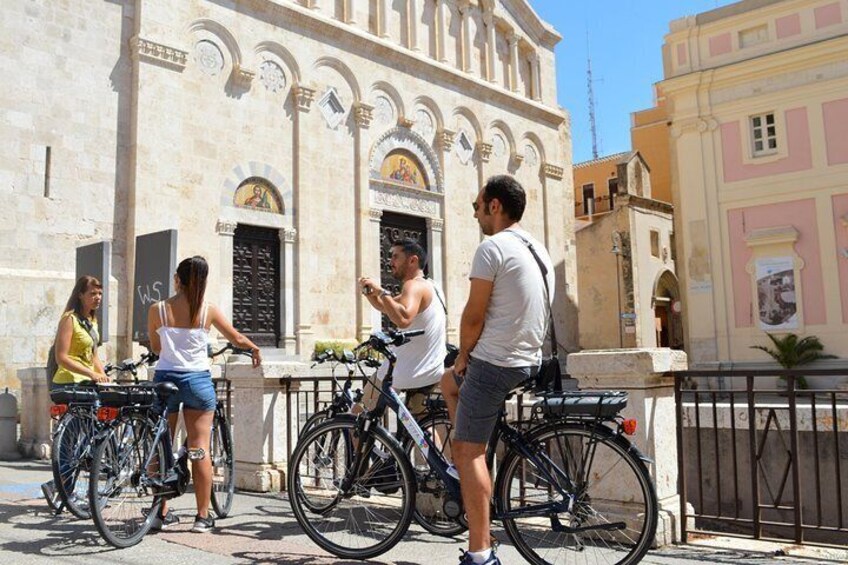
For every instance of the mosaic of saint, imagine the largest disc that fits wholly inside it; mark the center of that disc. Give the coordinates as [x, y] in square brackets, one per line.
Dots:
[258, 194]
[401, 167]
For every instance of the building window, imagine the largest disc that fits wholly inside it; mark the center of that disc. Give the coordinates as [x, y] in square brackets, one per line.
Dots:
[655, 243]
[589, 199]
[753, 36]
[612, 186]
[671, 244]
[764, 134]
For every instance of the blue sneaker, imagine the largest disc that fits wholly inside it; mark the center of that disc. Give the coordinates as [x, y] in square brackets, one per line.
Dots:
[467, 560]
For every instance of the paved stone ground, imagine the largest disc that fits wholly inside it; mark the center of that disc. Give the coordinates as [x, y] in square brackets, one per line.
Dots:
[263, 530]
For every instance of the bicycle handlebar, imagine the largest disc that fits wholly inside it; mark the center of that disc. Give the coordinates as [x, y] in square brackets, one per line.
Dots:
[229, 347]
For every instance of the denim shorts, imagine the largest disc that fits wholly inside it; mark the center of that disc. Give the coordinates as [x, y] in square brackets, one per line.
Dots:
[196, 390]
[481, 396]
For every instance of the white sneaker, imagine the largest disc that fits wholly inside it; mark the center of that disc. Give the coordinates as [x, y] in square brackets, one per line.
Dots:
[453, 471]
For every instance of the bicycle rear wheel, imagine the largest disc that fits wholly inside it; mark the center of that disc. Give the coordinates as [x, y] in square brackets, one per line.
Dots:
[374, 514]
[223, 466]
[123, 504]
[614, 514]
[70, 459]
[431, 493]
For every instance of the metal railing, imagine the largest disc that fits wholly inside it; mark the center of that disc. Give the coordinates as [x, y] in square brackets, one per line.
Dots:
[759, 461]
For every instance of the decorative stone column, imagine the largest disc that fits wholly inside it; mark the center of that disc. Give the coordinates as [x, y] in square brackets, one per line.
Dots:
[363, 114]
[465, 35]
[412, 23]
[226, 230]
[536, 76]
[288, 237]
[36, 424]
[382, 18]
[441, 30]
[349, 17]
[444, 141]
[263, 419]
[371, 320]
[489, 20]
[303, 98]
[513, 61]
[641, 372]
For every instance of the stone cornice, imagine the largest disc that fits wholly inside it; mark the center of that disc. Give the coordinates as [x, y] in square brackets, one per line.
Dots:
[157, 53]
[524, 14]
[355, 39]
[771, 236]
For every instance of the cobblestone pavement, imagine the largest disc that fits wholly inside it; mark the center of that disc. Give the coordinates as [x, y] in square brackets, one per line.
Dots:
[263, 530]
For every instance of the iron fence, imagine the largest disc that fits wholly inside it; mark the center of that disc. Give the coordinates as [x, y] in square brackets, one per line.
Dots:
[760, 460]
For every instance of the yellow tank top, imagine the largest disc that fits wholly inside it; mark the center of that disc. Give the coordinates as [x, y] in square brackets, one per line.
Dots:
[81, 350]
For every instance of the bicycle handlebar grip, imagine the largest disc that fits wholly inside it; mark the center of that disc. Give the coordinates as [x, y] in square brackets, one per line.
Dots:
[413, 333]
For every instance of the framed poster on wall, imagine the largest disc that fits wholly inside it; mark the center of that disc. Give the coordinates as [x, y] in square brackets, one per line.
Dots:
[776, 293]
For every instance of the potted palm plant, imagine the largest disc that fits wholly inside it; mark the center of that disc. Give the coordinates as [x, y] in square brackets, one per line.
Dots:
[789, 351]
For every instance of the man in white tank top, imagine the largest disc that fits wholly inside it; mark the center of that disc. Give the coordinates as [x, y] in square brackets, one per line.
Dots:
[420, 363]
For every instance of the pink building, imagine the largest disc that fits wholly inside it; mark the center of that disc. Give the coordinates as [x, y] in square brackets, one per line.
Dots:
[757, 93]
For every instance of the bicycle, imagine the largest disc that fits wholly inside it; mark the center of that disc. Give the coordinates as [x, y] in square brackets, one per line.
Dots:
[75, 408]
[221, 444]
[570, 486]
[435, 421]
[134, 469]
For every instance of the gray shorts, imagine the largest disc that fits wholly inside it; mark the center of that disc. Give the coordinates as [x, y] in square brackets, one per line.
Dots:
[481, 396]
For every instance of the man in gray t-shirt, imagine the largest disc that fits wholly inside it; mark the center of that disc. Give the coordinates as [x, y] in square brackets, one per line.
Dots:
[503, 327]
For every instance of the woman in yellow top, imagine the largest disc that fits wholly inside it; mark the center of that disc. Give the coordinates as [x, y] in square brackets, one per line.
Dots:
[76, 344]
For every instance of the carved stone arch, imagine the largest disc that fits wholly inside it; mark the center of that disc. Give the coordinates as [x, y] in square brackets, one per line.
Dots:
[255, 169]
[502, 127]
[536, 143]
[472, 119]
[406, 139]
[666, 281]
[434, 109]
[221, 33]
[392, 93]
[284, 55]
[344, 71]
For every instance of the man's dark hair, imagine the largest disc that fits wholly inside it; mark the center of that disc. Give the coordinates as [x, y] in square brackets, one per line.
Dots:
[411, 247]
[509, 193]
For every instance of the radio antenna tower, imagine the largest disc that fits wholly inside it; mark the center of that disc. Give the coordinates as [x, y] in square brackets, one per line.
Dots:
[592, 126]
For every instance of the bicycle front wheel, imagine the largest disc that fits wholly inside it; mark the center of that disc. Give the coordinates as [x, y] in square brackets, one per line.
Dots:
[368, 518]
[584, 498]
[70, 459]
[122, 492]
[223, 466]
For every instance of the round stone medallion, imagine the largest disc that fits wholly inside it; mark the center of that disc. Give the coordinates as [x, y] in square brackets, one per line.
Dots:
[272, 76]
[209, 57]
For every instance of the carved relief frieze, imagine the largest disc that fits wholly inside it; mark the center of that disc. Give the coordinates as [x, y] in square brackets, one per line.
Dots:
[158, 53]
[553, 171]
[417, 202]
[226, 227]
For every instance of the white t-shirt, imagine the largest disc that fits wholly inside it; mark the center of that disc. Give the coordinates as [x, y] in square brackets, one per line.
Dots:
[517, 317]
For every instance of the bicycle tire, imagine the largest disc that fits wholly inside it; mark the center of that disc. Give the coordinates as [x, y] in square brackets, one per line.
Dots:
[221, 452]
[313, 421]
[119, 452]
[372, 485]
[624, 539]
[428, 512]
[70, 458]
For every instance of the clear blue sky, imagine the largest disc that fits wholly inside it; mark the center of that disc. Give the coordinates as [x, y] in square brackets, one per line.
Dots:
[625, 39]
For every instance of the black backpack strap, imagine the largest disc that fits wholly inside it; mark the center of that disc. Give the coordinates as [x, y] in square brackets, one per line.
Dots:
[544, 271]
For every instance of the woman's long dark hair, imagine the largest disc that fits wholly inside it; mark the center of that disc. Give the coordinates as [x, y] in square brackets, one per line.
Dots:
[192, 273]
[75, 301]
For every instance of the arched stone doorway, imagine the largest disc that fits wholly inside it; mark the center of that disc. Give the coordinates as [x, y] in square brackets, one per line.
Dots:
[406, 200]
[668, 311]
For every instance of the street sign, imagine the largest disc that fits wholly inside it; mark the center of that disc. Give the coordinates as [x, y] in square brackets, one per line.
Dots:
[628, 315]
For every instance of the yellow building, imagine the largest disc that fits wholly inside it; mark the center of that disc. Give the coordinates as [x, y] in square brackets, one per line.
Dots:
[757, 96]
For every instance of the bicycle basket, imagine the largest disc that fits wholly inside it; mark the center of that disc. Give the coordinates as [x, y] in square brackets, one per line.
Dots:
[127, 396]
[583, 404]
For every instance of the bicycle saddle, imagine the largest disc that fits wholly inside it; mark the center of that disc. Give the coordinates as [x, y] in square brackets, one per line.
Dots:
[165, 389]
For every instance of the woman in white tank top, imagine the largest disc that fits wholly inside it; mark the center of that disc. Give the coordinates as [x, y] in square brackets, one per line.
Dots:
[179, 333]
